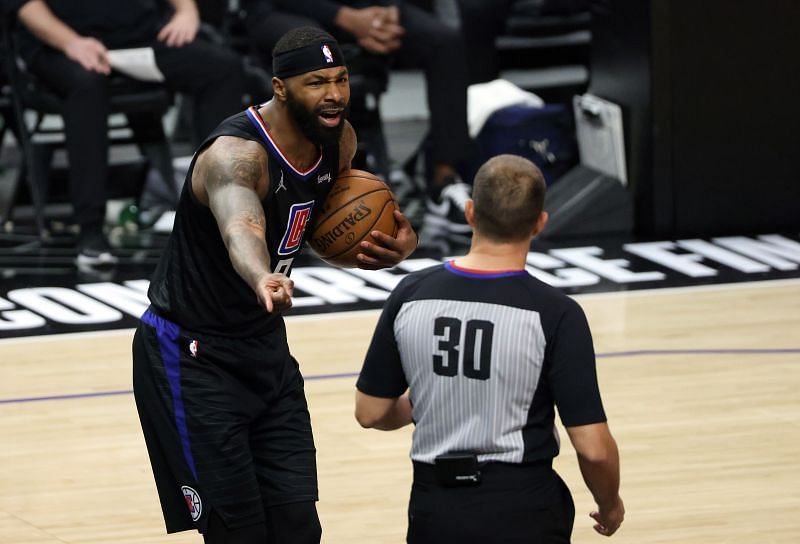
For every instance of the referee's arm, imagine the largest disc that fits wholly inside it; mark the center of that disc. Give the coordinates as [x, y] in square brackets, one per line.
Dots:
[598, 458]
[573, 375]
[382, 395]
[384, 414]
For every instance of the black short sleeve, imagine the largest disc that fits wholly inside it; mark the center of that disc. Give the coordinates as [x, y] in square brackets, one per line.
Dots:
[573, 374]
[382, 372]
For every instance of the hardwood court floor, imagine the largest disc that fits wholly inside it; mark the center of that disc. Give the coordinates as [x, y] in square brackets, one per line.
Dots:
[703, 402]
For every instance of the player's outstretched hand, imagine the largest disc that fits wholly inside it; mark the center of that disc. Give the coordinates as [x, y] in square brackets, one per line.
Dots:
[389, 250]
[275, 292]
[609, 518]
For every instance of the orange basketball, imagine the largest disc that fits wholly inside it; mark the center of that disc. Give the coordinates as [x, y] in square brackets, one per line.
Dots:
[357, 204]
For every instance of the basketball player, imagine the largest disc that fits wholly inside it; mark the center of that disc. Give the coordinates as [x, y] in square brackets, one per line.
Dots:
[219, 395]
[478, 354]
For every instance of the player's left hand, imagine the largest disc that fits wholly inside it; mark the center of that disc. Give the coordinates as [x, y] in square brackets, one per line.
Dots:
[388, 251]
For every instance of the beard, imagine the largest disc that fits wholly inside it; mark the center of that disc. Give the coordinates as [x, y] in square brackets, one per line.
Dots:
[306, 120]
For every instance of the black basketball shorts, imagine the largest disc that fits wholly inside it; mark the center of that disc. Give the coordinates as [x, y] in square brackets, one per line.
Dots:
[225, 421]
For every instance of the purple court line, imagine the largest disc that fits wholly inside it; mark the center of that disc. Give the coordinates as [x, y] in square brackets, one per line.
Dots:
[633, 353]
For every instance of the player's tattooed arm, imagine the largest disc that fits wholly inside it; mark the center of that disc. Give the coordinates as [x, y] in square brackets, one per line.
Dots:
[231, 177]
[347, 147]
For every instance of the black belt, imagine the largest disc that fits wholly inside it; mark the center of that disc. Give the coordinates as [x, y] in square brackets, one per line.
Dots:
[459, 470]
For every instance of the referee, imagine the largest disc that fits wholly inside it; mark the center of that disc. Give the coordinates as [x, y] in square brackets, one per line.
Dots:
[478, 354]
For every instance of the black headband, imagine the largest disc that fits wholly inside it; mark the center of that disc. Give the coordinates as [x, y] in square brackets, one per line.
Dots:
[315, 56]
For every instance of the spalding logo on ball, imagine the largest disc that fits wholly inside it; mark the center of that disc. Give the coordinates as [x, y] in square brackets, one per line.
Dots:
[357, 204]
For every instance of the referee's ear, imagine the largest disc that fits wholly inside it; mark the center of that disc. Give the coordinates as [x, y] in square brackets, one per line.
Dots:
[469, 212]
[540, 223]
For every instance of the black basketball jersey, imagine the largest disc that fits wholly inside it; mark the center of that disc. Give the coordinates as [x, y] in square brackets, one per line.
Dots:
[195, 284]
[486, 357]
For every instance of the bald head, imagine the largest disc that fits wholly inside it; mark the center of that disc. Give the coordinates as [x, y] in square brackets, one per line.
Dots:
[508, 195]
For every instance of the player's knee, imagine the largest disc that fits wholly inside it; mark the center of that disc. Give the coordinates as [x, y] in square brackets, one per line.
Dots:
[295, 523]
[218, 532]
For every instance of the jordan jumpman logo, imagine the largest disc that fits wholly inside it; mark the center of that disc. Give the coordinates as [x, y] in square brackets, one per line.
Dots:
[280, 184]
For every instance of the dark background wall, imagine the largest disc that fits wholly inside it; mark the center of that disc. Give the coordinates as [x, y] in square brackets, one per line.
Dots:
[711, 96]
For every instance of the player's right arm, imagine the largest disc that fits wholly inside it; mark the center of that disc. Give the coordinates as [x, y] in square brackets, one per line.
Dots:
[231, 178]
[598, 458]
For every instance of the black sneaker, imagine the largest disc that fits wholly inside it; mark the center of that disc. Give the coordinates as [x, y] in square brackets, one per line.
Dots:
[445, 218]
[94, 251]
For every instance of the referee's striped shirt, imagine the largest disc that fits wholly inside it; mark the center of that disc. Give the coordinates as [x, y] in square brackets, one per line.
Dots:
[486, 357]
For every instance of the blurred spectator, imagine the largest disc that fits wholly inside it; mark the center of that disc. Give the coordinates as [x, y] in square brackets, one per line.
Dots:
[66, 44]
[418, 38]
[481, 24]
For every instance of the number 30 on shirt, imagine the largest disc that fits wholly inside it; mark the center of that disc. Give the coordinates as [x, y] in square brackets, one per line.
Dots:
[475, 357]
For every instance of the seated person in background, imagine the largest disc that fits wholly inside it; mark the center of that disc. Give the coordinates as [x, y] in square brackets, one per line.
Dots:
[399, 28]
[482, 22]
[66, 43]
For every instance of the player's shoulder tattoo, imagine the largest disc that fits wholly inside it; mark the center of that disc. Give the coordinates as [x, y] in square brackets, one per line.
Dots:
[235, 160]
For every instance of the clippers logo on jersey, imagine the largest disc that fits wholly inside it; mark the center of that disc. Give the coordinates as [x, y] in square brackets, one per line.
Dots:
[193, 502]
[299, 215]
[328, 54]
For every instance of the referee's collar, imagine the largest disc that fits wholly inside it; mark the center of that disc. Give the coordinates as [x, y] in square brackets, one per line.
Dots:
[481, 274]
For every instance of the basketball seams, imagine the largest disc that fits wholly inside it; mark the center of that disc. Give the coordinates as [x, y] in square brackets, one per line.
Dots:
[338, 242]
[369, 230]
[362, 176]
[321, 220]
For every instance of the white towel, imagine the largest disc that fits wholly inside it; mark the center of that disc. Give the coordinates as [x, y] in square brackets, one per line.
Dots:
[483, 99]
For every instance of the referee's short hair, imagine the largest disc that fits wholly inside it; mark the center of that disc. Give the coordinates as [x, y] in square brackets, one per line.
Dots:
[508, 194]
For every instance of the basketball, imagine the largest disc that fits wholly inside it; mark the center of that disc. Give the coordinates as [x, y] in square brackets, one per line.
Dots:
[358, 203]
